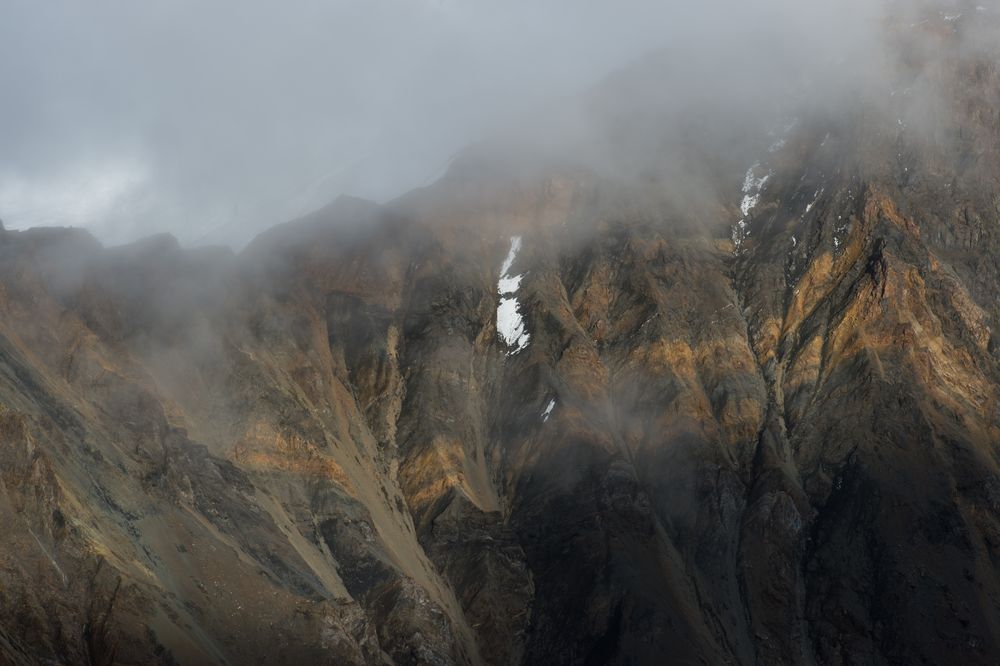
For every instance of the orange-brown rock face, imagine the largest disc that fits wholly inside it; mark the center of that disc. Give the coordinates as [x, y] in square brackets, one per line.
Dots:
[537, 417]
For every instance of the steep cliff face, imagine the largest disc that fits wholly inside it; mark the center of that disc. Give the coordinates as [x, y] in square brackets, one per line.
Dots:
[543, 416]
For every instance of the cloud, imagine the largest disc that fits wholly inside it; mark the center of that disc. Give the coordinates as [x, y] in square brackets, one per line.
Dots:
[215, 120]
[83, 195]
[238, 115]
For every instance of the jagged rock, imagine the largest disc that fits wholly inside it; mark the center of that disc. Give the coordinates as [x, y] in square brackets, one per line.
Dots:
[321, 451]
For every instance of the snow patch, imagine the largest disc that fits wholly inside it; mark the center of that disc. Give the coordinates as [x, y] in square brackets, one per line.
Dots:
[838, 234]
[510, 323]
[756, 178]
[515, 247]
[752, 188]
[753, 185]
[815, 200]
[548, 410]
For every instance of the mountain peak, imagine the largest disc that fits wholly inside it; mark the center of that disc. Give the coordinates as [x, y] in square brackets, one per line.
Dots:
[718, 383]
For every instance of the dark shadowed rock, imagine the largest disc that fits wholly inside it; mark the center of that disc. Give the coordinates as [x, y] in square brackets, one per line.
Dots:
[733, 434]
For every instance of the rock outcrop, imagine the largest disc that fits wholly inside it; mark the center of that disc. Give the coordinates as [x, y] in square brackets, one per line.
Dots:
[746, 426]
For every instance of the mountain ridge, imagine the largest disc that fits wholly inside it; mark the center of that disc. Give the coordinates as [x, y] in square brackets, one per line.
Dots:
[755, 420]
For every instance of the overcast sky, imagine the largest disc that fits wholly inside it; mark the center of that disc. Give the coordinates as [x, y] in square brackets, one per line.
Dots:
[214, 119]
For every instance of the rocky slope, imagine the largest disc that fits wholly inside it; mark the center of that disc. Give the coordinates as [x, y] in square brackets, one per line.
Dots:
[701, 414]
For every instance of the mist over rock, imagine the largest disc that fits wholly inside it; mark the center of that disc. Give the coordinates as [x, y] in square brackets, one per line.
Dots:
[698, 375]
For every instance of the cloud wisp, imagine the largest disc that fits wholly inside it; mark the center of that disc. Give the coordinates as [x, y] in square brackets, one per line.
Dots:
[214, 121]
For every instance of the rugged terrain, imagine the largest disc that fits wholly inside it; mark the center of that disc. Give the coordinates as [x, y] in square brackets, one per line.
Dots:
[740, 406]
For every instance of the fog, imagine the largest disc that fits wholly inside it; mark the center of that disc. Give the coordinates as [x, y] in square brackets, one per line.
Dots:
[214, 121]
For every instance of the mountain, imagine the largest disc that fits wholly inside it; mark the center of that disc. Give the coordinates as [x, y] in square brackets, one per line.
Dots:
[718, 385]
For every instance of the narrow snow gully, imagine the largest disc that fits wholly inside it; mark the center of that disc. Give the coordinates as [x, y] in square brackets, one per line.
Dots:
[510, 323]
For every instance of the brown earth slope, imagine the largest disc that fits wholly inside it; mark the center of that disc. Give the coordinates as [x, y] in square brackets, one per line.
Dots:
[765, 433]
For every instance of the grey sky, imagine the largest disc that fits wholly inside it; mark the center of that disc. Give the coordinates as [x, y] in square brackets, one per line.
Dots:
[214, 120]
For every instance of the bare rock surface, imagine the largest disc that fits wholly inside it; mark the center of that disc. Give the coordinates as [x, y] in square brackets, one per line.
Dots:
[738, 431]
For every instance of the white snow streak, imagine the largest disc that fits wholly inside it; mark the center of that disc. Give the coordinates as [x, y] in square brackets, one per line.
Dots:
[548, 410]
[753, 185]
[515, 247]
[819, 193]
[510, 324]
